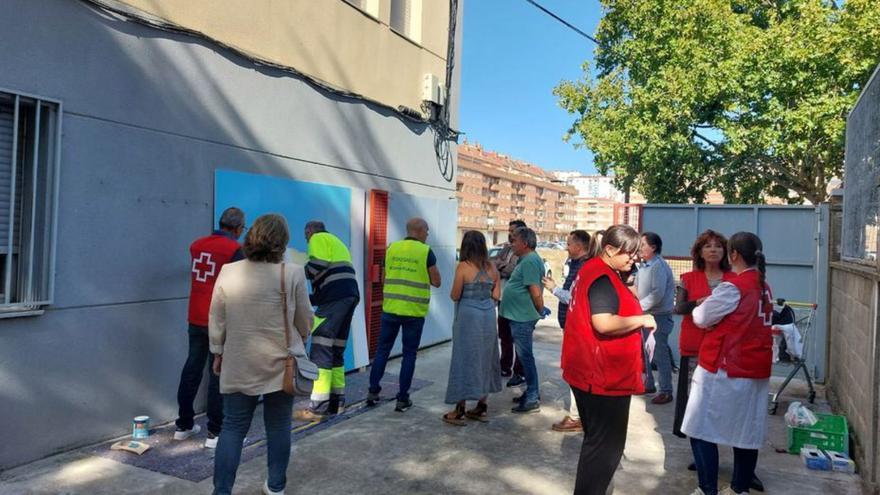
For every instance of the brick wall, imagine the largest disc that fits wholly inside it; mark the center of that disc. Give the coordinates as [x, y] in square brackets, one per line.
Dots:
[853, 381]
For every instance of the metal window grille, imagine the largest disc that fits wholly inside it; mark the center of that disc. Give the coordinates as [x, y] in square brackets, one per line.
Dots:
[30, 135]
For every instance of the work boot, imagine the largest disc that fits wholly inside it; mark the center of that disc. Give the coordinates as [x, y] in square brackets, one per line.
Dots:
[336, 404]
[308, 415]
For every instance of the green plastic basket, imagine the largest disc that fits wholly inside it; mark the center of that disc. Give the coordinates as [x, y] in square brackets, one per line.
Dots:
[829, 433]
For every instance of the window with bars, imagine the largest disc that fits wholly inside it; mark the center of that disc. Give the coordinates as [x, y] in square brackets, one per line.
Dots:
[30, 130]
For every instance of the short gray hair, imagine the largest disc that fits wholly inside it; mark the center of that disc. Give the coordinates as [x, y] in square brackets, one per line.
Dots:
[232, 218]
[526, 235]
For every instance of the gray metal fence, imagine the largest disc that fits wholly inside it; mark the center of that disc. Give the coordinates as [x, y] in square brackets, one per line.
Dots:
[795, 242]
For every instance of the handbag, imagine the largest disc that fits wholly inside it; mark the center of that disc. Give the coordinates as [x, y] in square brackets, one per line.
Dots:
[299, 373]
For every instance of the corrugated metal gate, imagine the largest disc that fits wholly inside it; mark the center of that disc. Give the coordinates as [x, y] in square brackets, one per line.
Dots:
[795, 242]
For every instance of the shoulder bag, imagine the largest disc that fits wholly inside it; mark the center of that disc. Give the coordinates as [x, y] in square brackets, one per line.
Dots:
[299, 374]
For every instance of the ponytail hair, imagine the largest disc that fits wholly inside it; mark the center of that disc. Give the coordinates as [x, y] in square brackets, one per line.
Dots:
[749, 246]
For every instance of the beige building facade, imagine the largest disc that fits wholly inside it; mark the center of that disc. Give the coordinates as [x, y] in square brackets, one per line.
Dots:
[379, 49]
[493, 189]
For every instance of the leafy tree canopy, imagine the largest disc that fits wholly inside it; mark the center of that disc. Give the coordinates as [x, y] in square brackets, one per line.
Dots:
[748, 97]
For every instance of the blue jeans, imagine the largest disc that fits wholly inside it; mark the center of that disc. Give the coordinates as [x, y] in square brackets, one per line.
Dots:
[411, 337]
[662, 354]
[238, 412]
[522, 338]
[191, 378]
[706, 459]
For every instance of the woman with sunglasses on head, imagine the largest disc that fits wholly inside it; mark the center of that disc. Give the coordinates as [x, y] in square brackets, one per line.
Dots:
[602, 356]
[729, 391]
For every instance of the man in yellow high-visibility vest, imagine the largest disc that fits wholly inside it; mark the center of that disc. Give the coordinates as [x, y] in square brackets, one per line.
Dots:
[410, 271]
[335, 294]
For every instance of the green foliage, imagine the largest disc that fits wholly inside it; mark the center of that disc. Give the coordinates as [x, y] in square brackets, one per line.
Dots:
[748, 97]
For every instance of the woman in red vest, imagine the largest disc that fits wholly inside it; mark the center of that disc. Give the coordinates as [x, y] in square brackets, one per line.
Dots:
[602, 355]
[711, 267]
[728, 400]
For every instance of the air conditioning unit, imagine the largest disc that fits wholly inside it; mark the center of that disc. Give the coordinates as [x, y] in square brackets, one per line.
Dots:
[432, 89]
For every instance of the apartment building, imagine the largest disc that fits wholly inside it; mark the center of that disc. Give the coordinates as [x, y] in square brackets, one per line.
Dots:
[127, 125]
[493, 189]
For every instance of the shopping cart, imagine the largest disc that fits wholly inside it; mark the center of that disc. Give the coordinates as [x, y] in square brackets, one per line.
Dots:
[802, 315]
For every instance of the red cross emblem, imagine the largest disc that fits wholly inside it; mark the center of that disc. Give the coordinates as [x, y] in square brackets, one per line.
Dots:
[203, 267]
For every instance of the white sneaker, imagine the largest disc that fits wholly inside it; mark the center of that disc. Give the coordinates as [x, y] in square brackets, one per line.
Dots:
[267, 491]
[729, 491]
[211, 441]
[698, 491]
[184, 434]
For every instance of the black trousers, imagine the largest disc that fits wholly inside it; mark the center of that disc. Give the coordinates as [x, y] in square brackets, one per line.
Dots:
[509, 361]
[191, 378]
[685, 373]
[605, 420]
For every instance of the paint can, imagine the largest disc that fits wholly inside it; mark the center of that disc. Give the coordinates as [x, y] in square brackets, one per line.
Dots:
[140, 427]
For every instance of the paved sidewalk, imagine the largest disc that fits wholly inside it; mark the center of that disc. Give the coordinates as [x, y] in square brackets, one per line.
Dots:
[385, 452]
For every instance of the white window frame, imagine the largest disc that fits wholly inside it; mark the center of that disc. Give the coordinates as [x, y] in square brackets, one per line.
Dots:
[27, 302]
[369, 7]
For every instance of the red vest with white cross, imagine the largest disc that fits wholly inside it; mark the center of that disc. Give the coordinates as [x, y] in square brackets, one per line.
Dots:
[741, 343]
[209, 254]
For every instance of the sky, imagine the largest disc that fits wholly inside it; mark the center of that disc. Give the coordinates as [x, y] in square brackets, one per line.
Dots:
[513, 56]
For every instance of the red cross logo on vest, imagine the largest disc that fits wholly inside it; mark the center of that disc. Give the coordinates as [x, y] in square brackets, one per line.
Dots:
[204, 267]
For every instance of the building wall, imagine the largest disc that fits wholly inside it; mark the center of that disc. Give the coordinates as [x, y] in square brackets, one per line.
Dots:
[853, 359]
[595, 214]
[340, 44]
[148, 118]
[854, 378]
[494, 189]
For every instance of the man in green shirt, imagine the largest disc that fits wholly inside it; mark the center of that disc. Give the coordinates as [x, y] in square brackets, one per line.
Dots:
[522, 303]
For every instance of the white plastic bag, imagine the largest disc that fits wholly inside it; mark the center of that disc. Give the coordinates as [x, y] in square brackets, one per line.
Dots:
[793, 342]
[800, 415]
[650, 344]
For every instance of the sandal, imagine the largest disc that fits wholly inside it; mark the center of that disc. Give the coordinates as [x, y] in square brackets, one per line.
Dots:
[456, 416]
[479, 413]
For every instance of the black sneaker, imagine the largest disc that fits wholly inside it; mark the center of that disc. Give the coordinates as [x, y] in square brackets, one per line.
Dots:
[519, 398]
[528, 407]
[516, 381]
[403, 405]
[372, 399]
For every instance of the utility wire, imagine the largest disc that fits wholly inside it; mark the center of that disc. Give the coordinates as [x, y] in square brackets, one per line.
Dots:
[563, 21]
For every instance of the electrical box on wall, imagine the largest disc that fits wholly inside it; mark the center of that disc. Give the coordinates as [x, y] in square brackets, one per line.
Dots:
[432, 89]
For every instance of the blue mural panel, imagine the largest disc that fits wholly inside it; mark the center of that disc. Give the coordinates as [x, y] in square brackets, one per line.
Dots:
[297, 201]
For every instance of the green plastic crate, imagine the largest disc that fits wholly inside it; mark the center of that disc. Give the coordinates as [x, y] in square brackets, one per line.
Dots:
[829, 433]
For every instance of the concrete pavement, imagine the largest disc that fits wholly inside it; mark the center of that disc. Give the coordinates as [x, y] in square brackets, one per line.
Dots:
[386, 452]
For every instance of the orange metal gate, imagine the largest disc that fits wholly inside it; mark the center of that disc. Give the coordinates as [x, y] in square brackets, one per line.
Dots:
[377, 244]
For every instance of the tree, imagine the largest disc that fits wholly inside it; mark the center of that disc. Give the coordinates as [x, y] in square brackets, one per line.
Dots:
[748, 97]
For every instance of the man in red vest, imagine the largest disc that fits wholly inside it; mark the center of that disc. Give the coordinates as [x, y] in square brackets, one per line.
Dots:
[208, 255]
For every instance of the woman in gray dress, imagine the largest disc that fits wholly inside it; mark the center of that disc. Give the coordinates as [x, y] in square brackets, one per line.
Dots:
[474, 371]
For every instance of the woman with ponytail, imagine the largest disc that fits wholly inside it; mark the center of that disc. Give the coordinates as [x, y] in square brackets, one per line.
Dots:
[729, 391]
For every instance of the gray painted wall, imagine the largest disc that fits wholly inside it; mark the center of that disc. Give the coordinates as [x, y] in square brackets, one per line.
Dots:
[148, 118]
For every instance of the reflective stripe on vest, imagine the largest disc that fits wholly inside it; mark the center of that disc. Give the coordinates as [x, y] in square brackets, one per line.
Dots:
[407, 290]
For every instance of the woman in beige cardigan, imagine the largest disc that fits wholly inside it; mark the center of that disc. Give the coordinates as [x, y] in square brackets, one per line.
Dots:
[246, 330]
